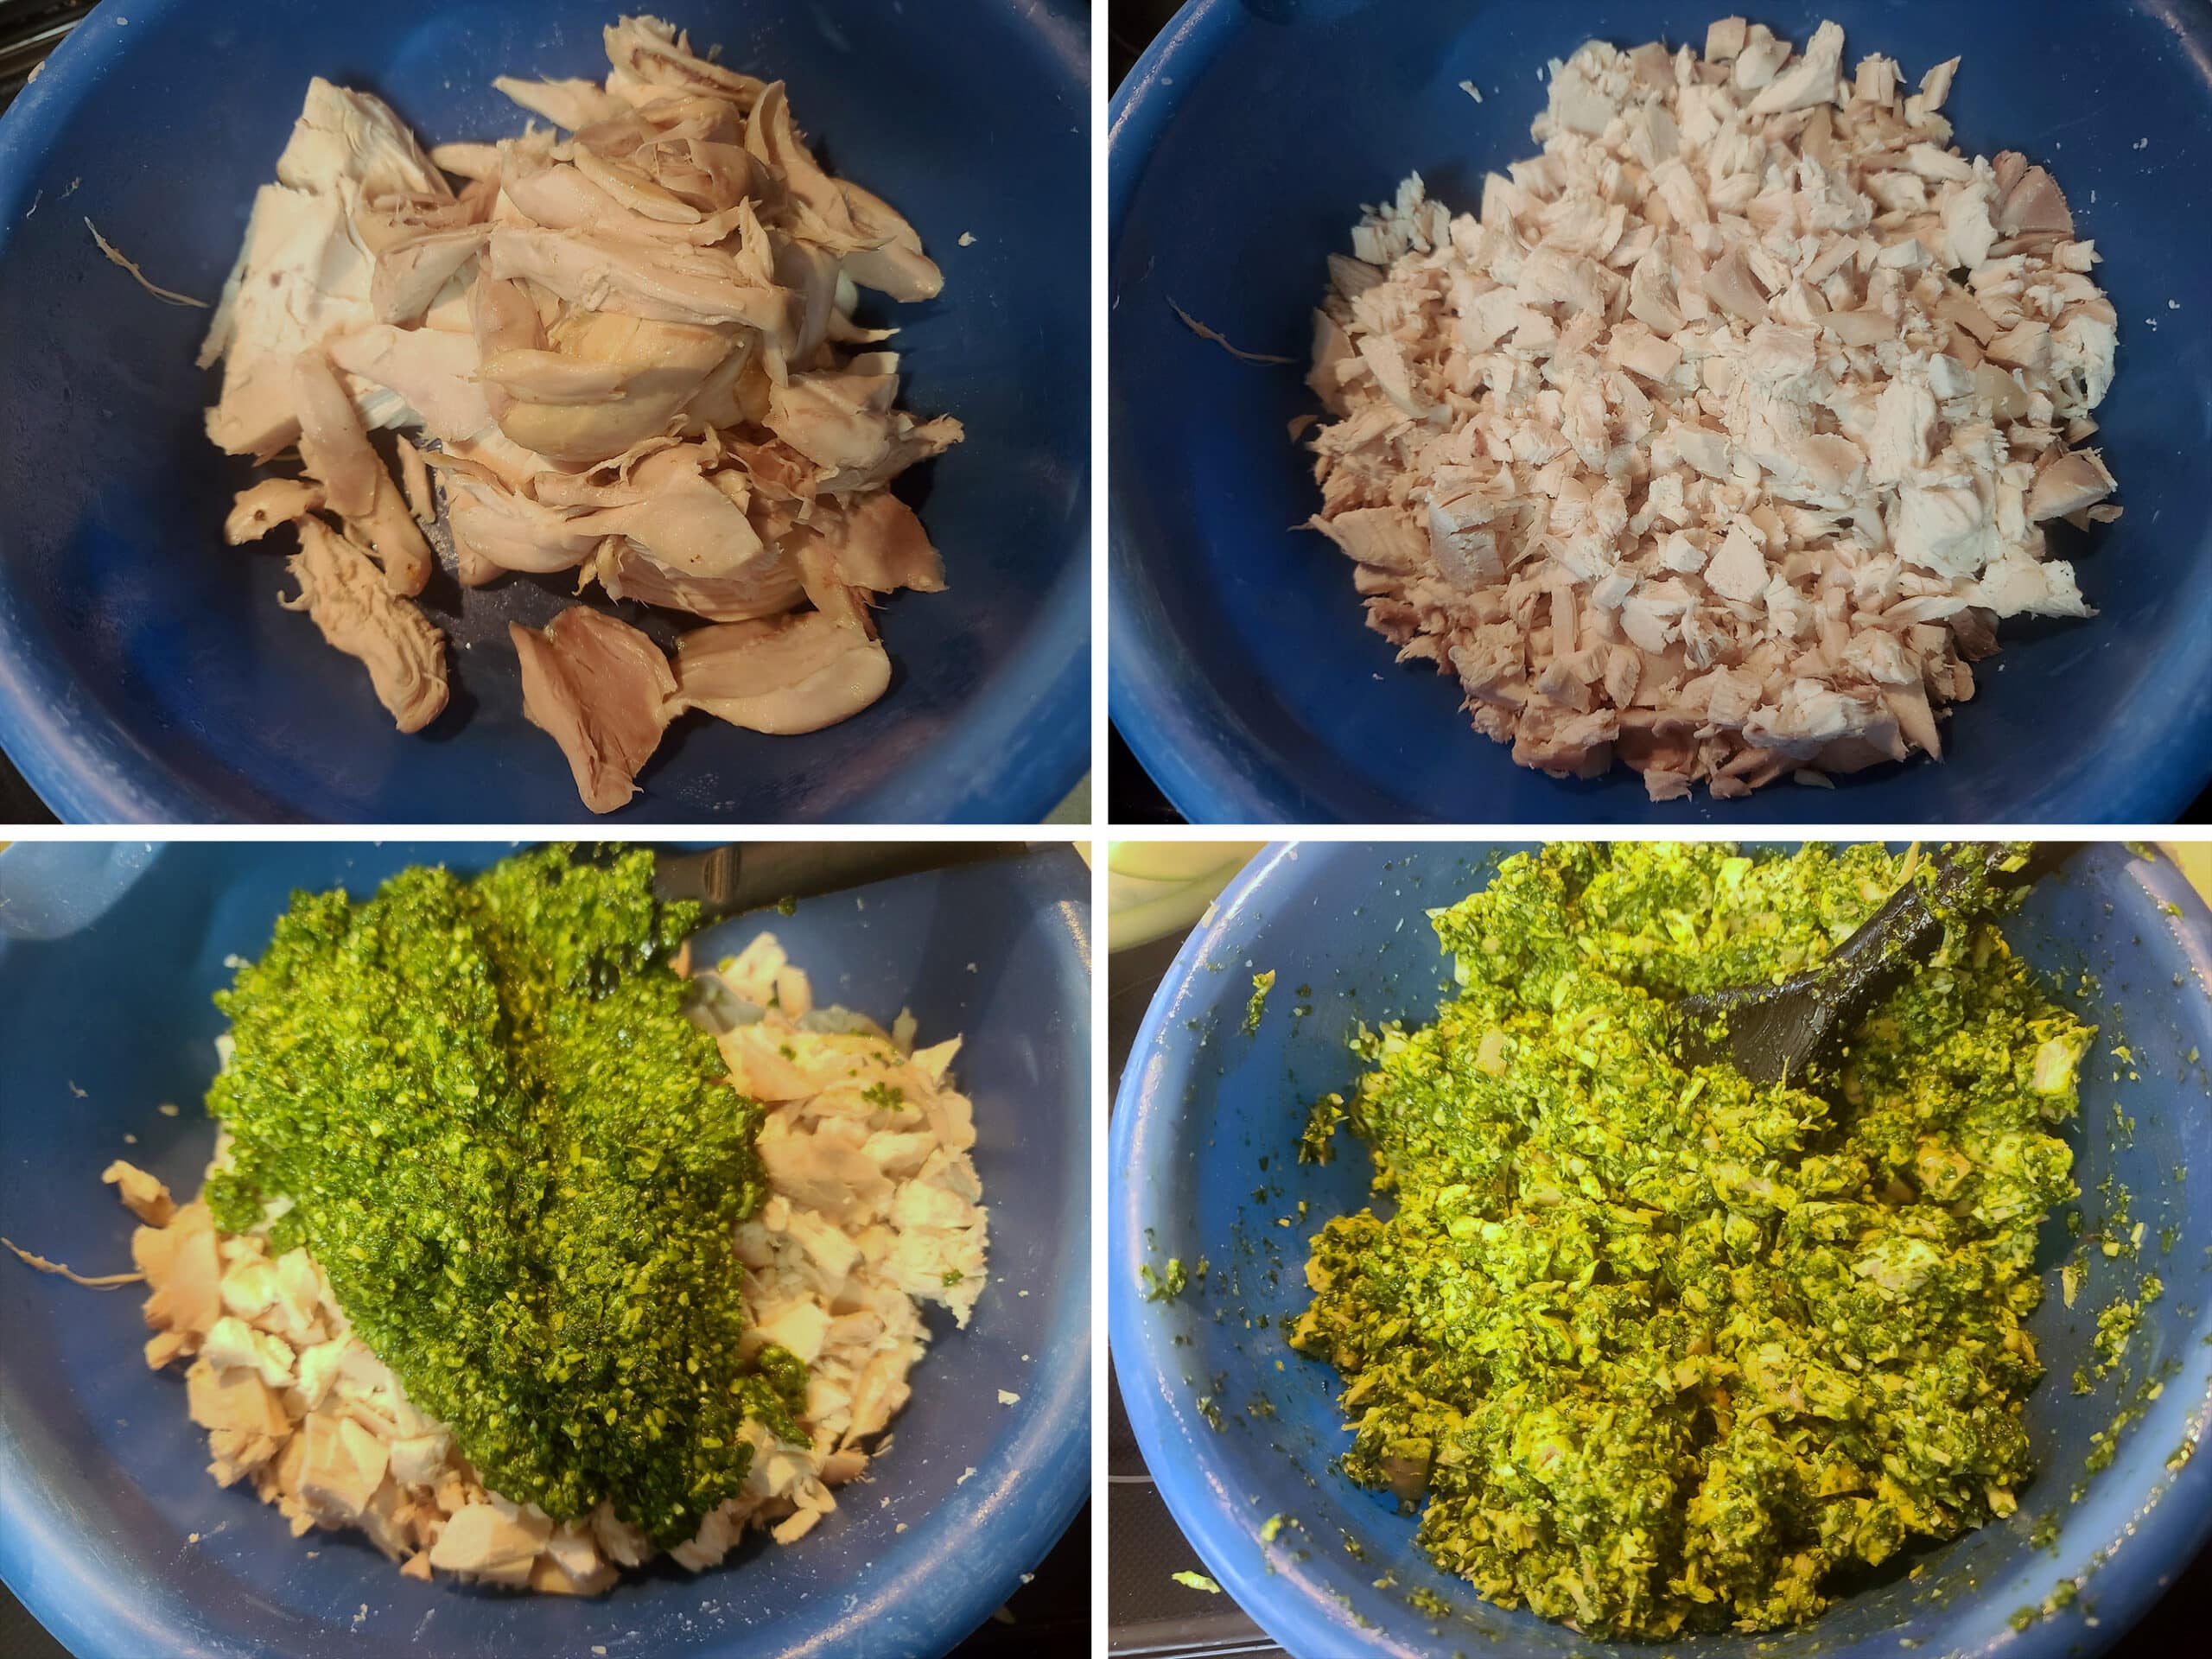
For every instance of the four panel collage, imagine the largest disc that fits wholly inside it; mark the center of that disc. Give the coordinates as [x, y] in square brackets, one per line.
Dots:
[1591, 601]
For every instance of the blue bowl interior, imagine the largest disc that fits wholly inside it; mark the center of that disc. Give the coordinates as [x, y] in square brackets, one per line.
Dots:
[1202, 1106]
[102, 1482]
[147, 671]
[1244, 674]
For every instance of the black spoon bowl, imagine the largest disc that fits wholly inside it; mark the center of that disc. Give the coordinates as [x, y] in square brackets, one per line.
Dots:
[1774, 1033]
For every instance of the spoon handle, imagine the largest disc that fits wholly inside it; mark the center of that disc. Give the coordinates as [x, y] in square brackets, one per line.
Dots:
[730, 879]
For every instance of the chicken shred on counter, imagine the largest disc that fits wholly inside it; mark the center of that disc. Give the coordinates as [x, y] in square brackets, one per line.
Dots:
[1718, 440]
[624, 346]
[874, 1210]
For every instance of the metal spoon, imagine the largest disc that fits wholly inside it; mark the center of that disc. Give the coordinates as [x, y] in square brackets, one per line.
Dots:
[1774, 1033]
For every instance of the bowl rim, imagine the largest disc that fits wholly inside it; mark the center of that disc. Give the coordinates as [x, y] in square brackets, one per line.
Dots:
[1211, 1511]
[1212, 768]
[1009, 755]
[50, 1560]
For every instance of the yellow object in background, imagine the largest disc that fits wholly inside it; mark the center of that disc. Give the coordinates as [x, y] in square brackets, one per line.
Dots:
[1153, 887]
[2194, 860]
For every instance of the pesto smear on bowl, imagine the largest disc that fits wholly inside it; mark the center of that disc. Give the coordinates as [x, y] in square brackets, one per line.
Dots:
[1665, 1351]
[479, 1106]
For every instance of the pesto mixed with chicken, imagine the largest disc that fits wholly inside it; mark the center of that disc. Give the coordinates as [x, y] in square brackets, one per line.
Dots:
[479, 1105]
[1657, 1350]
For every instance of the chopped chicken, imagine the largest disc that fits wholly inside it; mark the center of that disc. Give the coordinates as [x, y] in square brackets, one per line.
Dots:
[603, 691]
[494, 1542]
[146, 1196]
[1717, 441]
[233, 1399]
[627, 346]
[183, 1273]
[874, 1208]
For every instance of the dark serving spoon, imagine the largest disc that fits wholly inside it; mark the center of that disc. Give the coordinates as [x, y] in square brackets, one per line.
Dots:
[1773, 1033]
[729, 880]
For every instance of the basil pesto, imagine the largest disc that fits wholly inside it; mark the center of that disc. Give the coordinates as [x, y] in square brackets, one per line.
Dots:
[1665, 1352]
[478, 1104]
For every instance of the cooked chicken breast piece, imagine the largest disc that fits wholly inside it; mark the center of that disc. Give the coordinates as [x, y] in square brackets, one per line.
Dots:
[304, 269]
[662, 280]
[629, 346]
[878, 544]
[603, 382]
[336, 452]
[768, 585]
[404, 652]
[259, 508]
[795, 674]
[603, 691]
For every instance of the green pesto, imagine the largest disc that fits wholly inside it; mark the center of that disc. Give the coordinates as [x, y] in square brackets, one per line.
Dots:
[1167, 1285]
[519, 1164]
[1660, 1350]
[1261, 985]
[1425, 1600]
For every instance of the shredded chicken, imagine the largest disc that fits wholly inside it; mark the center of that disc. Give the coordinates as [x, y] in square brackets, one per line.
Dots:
[404, 651]
[108, 249]
[625, 347]
[1221, 339]
[874, 1210]
[1718, 440]
[90, 1282]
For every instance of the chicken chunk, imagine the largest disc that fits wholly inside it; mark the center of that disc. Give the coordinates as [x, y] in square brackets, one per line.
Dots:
[766, 586]
[490, 1542]
[604, 381]
[336, 452]
[144, 1194]
[878, 544]
[1716, 439]
[351, 603]
[302, 272]
[798, 674]
[345, 1464]
[603, 691]
[261, 507]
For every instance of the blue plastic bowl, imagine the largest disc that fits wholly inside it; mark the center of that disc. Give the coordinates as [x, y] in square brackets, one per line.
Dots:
[146, 671]
[103, 1483]
[1202, 1107]
[1243, 673]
